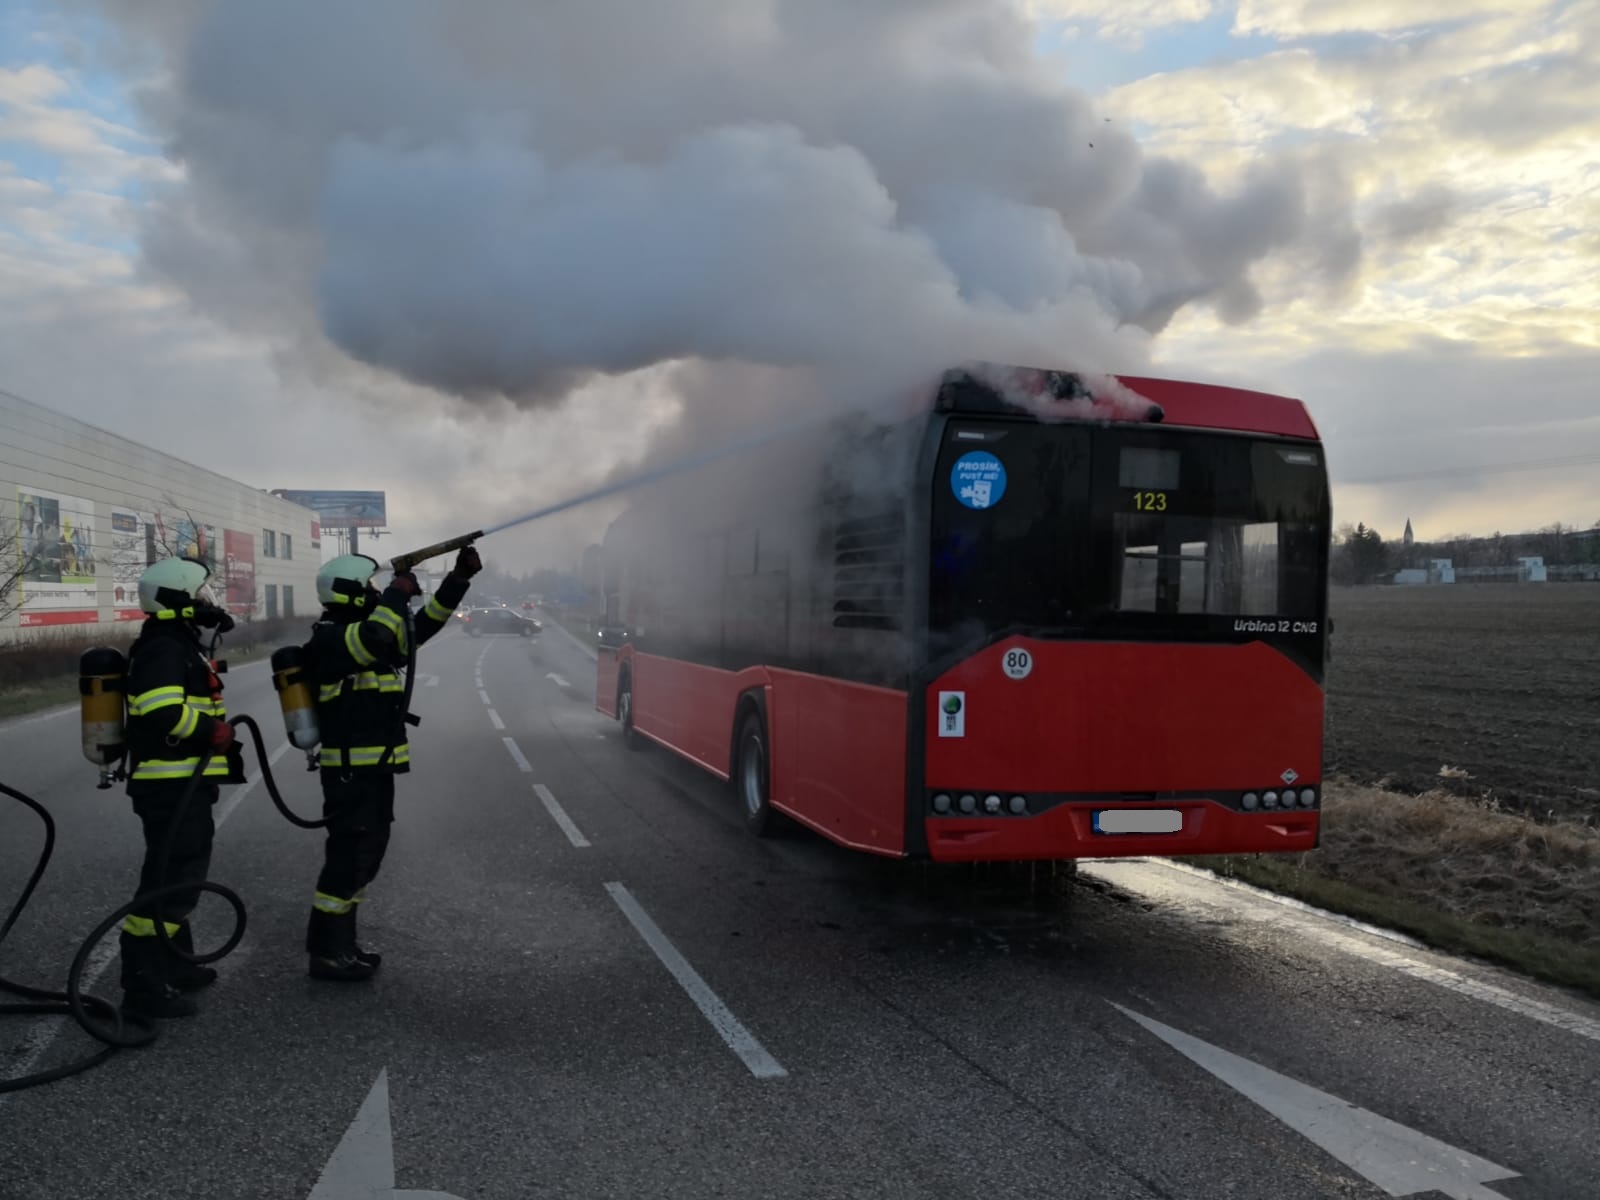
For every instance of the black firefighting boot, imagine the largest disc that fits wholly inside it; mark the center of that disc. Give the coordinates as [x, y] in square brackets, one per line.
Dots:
[366, 957]
[331, 944]
[187, 976]
[147, 988]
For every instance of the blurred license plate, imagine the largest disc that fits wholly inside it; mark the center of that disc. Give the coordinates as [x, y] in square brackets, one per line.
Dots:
[1138, 820]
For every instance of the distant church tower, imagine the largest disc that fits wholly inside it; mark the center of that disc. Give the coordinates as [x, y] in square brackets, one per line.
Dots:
[1406, 537]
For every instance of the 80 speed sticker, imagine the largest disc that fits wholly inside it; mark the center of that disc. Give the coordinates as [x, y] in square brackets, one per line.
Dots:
[1017, 663]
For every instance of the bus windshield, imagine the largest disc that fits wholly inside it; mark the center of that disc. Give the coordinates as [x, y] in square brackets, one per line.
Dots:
[1124, 531]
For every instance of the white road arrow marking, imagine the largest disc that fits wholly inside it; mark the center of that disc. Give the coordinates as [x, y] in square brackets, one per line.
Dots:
[1399, 1160]
[362, 1166]
[560, 682]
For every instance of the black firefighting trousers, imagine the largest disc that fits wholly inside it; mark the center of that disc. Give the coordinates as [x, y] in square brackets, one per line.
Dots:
[360, 810]
[155, 803]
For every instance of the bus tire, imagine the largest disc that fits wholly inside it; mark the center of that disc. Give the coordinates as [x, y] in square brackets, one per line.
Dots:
[752, 776]
[630, 736]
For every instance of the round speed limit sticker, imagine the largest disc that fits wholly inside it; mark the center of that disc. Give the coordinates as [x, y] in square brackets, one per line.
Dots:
[1017, 663]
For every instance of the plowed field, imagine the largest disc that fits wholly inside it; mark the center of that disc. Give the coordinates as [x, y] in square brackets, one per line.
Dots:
[1501, 681]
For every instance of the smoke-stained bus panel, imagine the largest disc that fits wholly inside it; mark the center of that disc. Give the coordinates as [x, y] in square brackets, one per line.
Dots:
[1164, 586]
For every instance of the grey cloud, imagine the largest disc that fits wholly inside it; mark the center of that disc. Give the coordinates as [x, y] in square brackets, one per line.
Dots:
[1425, 214]
[506, 199]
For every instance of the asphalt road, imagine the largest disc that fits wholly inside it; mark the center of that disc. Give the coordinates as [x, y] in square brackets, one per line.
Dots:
[597, 984]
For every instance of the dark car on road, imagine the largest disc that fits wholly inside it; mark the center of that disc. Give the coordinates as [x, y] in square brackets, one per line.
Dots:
[479, 621]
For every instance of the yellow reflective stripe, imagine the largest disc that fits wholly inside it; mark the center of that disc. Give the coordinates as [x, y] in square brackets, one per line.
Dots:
[323, 902]
[389, 619]
[435, 610]
[363, 756]
[207, 707]
[145, 927]
[161, 697]
[367, 681]
[186, 724]
[178, 768]
[393, 622]
[359, 652]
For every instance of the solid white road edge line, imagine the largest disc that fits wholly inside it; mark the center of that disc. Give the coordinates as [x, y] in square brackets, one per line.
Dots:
[494, 719]
[739, 1039]
[1322, 925]
[559, 816]
[516, 753]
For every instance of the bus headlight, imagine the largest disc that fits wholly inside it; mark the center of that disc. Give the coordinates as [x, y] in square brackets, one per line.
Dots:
[941, 802]
[968, 803]
[1250, 801]
[991, 804]
[1019, 805]
[1270, 799]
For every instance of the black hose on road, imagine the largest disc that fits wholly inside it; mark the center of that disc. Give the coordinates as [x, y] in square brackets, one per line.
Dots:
[101, 1019]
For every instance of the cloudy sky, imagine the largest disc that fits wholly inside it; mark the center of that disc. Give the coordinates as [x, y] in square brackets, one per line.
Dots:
[463, 253]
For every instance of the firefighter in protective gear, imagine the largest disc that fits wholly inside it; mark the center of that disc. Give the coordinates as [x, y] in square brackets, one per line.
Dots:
[175, 718]
[357, 650]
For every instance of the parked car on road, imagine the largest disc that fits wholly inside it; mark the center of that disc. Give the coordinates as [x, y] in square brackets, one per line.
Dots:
[479, 621]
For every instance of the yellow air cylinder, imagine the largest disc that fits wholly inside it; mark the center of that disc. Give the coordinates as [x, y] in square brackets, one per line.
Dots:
[103, 722]
[294, 696]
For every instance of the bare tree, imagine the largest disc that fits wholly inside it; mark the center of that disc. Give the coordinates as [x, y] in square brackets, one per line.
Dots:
[13, 566]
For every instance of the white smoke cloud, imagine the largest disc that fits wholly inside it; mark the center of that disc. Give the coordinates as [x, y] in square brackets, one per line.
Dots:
[506, 198]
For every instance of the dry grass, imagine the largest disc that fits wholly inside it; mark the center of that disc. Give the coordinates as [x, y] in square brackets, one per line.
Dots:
[1455, 872]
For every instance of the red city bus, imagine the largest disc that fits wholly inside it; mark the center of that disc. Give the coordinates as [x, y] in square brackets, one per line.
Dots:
[978, 634]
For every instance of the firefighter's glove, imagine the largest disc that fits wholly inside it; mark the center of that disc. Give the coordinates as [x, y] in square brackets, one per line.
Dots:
[221, 737]
[468, 563]
[406, 584]
[212, 616]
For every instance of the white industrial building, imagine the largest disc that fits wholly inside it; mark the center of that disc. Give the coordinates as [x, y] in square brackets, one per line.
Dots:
[83, 512]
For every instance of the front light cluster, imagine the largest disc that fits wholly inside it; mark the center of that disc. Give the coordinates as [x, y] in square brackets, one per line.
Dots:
[1279, 799]
[969, 804]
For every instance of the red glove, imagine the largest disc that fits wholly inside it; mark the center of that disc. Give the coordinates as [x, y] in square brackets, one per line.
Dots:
[468, 563]
[221, 736]
[406, 584]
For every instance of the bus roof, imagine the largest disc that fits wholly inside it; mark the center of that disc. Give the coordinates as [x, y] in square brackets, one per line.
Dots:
[1213, 406]
[1052, 394]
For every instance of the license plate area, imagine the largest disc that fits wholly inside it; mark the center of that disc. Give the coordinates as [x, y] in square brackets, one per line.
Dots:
[1138, 820]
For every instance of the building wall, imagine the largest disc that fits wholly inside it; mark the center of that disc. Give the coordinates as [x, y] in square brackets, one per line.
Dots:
[82, 512]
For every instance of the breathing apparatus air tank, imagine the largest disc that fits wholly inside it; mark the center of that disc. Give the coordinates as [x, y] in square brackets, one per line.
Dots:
[290, 678]
[101, 671]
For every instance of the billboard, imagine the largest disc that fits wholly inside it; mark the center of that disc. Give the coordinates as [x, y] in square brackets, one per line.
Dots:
[342, 510]
[133, 548]
[56, 558]
[239, 571]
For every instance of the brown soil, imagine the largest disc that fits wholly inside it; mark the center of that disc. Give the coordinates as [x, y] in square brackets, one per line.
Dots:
[1481, 690]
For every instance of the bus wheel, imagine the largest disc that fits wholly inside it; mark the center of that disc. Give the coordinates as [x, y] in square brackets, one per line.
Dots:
[752, 777]
[630, 735]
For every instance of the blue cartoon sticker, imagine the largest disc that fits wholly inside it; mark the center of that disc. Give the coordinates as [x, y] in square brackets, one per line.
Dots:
[979, 479]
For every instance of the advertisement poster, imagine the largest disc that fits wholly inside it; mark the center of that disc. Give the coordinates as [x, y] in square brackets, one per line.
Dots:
[316, 535]
[239, 568]
[182, 537]
[56, 553]
[133, 548]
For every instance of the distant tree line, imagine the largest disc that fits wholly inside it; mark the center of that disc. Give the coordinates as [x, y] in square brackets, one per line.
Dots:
[1361, 555]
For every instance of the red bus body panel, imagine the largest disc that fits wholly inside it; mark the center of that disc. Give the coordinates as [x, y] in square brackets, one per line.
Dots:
[1125, 718]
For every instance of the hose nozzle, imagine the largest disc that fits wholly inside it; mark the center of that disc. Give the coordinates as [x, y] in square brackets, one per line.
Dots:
[404, 562]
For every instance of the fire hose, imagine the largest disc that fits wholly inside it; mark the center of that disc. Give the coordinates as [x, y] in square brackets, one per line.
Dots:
[100, 1019]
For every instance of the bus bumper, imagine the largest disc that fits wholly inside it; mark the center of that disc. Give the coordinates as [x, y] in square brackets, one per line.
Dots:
[1068, 831]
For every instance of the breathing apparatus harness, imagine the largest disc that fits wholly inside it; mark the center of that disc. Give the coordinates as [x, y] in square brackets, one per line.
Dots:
[100, 686]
